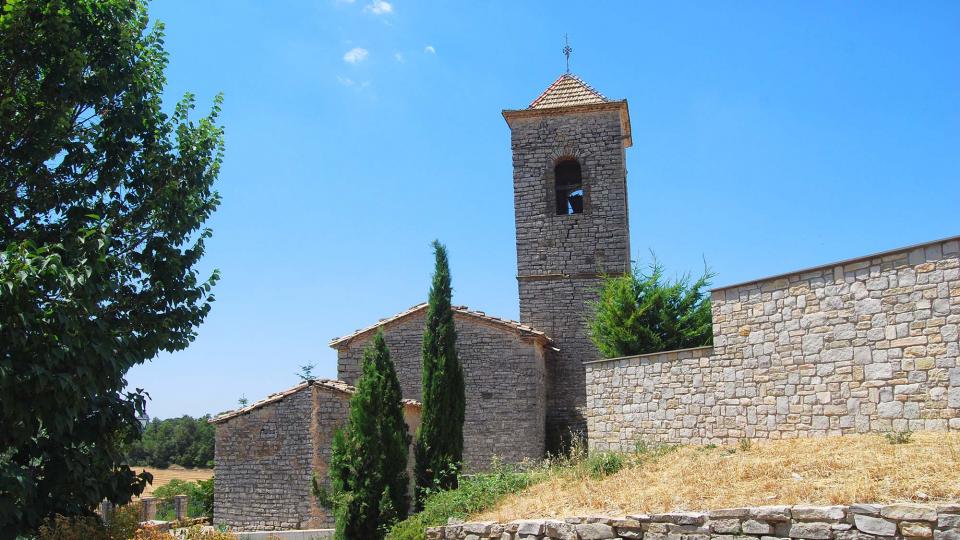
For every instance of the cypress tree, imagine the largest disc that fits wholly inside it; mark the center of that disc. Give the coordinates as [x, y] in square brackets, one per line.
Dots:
[439, 446]
[368, 465]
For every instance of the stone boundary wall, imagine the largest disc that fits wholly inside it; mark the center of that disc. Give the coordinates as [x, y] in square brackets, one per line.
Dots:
[866, 345]
[854, 522]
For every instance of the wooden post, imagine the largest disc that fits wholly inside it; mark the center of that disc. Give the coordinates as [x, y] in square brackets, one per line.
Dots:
[180, 507]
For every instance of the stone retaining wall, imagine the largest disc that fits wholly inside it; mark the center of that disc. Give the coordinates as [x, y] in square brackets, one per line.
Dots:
[867, 345]
[855, 522]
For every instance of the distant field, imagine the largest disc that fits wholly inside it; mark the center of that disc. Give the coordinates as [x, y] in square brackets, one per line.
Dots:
[163, 476]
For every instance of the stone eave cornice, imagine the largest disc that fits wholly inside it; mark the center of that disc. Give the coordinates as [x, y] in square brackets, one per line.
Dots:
[621, 106]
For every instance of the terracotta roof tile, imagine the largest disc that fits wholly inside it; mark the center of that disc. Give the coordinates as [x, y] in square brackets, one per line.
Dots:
[331, 384]
[566, 91]
[515, 326]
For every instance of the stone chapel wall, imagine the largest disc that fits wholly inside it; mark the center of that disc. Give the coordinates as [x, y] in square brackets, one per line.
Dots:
[264, 461]
[505, 383]
[267, 457]
[867, 345]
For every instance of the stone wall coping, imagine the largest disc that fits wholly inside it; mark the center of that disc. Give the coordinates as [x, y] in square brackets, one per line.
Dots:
[838, 263]
[522, 329]
[936, 521]
[650, 355]
[328, 384]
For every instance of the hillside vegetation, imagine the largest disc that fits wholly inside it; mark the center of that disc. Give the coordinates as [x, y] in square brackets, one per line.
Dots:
[833, 470]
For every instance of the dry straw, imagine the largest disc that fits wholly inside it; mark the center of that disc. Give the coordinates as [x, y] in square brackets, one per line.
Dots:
[822, 471]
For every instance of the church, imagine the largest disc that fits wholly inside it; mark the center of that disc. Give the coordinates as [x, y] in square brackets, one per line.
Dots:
[525, 380]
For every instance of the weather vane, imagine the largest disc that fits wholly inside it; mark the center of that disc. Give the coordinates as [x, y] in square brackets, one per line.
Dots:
[566, 51]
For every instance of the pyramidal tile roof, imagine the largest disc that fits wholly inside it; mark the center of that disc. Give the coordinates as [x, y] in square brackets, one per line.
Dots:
[568, 90]
[508, 324]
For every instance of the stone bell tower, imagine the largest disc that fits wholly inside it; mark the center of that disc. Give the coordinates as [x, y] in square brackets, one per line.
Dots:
[570, 203]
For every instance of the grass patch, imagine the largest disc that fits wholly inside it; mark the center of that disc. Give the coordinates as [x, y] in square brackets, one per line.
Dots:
[480, 492]
[475, 494]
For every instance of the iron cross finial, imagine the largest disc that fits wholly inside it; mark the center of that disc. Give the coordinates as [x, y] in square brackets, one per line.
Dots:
[567, 50]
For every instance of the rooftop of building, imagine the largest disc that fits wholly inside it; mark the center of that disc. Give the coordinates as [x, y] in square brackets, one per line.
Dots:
[461, 311]
[327, 384]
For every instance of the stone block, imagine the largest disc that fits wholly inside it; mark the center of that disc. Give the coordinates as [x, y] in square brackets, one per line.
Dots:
[946, 534]
[595, 531]
[680, 518]
[909, 512]
[915, 529]
[771, 513]
[725, 526]
[812, 530]
[752, 526]
[875, 525]
[529, 526]
[818, 513]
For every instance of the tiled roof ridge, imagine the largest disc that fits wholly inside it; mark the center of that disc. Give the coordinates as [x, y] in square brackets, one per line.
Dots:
[464, 310]
[566, 76]
[332, 384]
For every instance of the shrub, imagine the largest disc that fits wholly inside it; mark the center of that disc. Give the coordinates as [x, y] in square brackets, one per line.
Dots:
[745, 444]
[604, 464]
[199, 498]
[475, 493]
[72, 528]
[125, 521]
[898, 437]
[641, 312]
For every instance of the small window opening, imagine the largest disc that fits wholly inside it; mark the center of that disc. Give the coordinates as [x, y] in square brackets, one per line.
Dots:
[569, 187]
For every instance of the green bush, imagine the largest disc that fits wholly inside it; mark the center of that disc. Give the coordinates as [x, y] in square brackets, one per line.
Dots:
[898, 437]
[643, 312]
[476, 493]
[199, 498]
[604, 464]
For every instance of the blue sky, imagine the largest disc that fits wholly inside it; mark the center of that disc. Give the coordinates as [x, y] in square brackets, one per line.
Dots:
[766, 138]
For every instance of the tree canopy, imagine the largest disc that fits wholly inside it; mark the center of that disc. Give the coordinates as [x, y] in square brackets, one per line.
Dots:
[642, 312]
[103, 197]
[439, 444]
[184, 441]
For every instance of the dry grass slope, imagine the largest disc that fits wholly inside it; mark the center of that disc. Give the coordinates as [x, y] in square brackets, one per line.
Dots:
[834, 470]
[163, 476]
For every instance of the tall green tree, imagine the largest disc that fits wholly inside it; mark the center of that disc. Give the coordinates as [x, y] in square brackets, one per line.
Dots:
[439, 445]
[642, 312]
[368, 463]
[103, 197]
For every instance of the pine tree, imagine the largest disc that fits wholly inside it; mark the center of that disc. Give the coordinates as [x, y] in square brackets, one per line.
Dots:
[642, 312]
[439, 447]
[368, 466]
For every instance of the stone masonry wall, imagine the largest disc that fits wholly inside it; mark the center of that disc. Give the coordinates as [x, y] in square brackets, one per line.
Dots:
[266, 458]
[861, 346]
[264, 461]
[504, 376]
[560, 258]
[854, 522]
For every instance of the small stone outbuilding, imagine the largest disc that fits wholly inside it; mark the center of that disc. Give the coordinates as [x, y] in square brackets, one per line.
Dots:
[268, 452]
